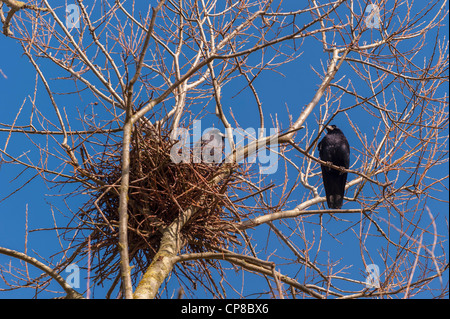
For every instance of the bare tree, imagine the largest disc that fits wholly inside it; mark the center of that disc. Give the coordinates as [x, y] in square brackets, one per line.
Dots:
[150, 72]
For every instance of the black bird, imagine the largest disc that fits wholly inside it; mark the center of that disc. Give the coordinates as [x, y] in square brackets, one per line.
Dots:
[334, 148]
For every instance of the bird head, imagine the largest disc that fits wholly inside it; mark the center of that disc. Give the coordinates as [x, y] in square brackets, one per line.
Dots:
[213, 134]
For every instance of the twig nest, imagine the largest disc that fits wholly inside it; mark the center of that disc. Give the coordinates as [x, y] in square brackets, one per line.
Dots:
[159, 192]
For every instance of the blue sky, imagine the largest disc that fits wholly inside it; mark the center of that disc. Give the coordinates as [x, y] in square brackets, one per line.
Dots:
[290, 88]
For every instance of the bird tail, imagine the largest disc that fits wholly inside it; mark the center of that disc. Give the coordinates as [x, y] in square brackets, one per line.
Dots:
[335, 190]
[335, 201]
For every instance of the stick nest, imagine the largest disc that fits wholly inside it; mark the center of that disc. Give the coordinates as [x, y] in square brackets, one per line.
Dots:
[159, 192]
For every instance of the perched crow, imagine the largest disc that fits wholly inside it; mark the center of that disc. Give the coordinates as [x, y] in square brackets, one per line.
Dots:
[334, 148]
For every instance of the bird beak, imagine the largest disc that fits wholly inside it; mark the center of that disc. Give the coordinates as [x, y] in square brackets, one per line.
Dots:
[329, 128]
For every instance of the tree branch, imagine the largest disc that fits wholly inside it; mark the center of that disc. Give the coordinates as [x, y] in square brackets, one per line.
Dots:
[14, 7]
[71, 293]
